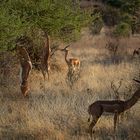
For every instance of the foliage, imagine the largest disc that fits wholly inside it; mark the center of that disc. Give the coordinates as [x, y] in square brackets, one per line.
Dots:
[131, 6]
[111, 16]
[122, 30]
[126, 18]
[130, 12]
[116, 3]
[61, 19]
[23, 17]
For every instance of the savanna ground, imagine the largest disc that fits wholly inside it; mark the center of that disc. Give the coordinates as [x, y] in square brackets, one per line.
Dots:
[60, 113]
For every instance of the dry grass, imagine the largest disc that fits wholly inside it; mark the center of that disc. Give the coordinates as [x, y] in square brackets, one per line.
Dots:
[60, 113]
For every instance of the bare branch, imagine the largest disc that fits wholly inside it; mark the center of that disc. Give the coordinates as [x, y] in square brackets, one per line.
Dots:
[116, 89]
[53, 50]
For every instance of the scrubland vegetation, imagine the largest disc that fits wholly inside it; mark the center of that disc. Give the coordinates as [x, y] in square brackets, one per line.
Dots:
[59, 112]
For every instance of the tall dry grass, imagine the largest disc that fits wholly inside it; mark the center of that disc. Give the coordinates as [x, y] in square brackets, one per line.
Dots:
[60, 113]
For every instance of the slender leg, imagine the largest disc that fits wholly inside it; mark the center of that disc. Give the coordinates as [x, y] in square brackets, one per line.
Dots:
[118, 119]
[48, 75]
[44, 83]
[27, 94]
[29, 70]
[94, 121]
[90, 129]
[43, 71]
[115, 121]
[44, 76]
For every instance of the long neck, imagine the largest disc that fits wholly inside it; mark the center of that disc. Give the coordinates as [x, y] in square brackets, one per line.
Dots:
[66, 55]
[47, 43]
[27, 55]
[24, 54]
[132, 101]
[46, 49]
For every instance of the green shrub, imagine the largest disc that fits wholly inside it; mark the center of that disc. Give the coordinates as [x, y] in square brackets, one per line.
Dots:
[122, 30]
[21, 17]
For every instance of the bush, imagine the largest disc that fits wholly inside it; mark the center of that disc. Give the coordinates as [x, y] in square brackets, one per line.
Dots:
[97, 25]
[133, 21]
[111, 16]
[126, 18]
[23, 17]
[122, 30]
[115, 3]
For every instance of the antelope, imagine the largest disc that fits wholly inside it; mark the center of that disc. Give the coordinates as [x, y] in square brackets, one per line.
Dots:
[115, 107]
[45, 58]
[26, 66]
[71, 62]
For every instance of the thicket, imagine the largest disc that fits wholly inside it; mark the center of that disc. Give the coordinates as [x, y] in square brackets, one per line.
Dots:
[58, 18]
[129, 14]
[124, 15]
[122, 29]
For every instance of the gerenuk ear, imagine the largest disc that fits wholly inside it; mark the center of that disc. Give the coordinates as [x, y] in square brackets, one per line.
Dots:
[66, 47]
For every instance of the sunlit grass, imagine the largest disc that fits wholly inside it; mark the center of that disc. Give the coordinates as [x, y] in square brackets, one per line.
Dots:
[60, 113]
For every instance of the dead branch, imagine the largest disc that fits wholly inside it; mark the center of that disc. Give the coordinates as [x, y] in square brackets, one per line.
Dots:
[116, 89]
